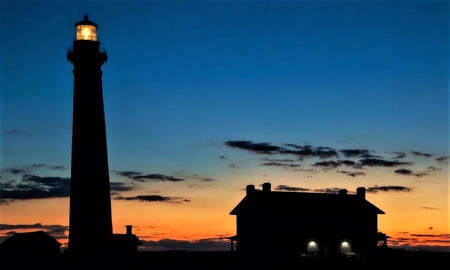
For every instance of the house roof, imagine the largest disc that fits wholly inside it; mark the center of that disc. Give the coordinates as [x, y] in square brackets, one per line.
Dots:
[39, 238]
[125, 239]
[279, 201]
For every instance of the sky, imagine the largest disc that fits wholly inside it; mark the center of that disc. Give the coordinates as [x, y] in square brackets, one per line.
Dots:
[205, 97]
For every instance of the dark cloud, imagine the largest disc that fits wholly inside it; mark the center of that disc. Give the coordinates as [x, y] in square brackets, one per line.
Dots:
[257, 148]
[354, 152]
[352, 174]
[376, 189]
[233, 166]
[51, 229]
[13, 131]
[207, 244]
[429, 208]
[277, 160]
[288, 188]
[277, 164]
[328, 190]
[152, 198]
[119, 186]
[372, 162]
[327, 164]
[399, 155]
[36, 187]
[419, 154]
[442, 159]
[5, 201]
[433, 169]
[223, 157]
[10, 232]
[137, 176]
[59, 168]
[409, 172]
[430, 228]
[302, 152]
[16, 171]
[156, 177]
[444, 236]
[347, 162]
[307, 151]
[370, 156]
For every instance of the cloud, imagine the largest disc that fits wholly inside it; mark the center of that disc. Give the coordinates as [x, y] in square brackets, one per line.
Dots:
[207, 244]
[223, 157]
[233, 166]
[376, 189]
[443, 236]
[354, 152]
[372, 162]
[442, 159]
[277, 164]
[137, 176]
[36, 187]
[328, 190]
[399, 155]
[419, 154]
[51, 229]
[152, 198]
[307, 151]
[433, 169]
[430, 228]
[429, 208]
[288, 188]
[277, 160]
[257, 148]
[327, 164]
[16, 171]
[119, 186]
[197, 177]
[352, 174]
[13, 131]
[409, 172]
[59, 168]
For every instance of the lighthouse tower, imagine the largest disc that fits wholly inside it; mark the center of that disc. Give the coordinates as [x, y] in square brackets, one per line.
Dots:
[90, 218]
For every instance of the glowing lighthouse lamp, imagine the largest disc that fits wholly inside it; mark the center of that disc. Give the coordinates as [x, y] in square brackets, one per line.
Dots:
[86, 30]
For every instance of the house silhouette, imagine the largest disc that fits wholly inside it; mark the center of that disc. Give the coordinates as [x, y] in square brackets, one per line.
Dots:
[124, 243]
[273, 223]
[31, 243]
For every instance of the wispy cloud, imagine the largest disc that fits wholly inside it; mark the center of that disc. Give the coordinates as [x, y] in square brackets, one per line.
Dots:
[288, 188]
[376, 189]
[152, 198]
[138, 176]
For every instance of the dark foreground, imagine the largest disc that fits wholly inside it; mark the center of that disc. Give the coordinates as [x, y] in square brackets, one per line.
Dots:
[207, 260]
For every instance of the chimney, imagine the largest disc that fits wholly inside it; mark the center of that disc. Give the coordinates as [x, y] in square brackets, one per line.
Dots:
[342, 192]
[129, 229]
[266, 187]
[250, 189]
[361, 192]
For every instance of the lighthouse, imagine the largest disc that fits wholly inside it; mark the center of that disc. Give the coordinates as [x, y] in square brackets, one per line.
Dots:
[90, 220]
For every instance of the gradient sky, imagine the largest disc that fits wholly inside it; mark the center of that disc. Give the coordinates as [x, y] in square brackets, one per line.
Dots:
[194, 93]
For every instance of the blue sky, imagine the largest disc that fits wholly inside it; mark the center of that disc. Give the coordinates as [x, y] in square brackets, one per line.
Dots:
[184, 78]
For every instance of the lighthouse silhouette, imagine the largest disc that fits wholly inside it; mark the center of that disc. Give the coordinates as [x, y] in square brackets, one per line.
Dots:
[90, 220]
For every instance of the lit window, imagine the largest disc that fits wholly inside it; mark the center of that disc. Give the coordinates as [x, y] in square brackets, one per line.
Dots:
[86, 32]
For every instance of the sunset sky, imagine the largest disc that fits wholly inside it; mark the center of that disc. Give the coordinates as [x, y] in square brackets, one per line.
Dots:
[203, 98]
